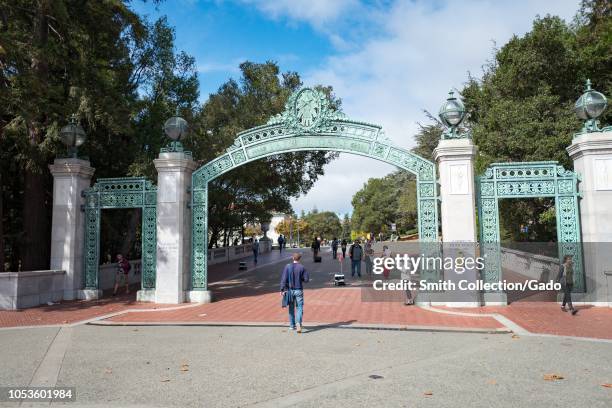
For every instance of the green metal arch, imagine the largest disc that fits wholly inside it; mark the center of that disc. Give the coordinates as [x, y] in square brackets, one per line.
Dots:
[308, 124]
[118, 193]
[529, 180]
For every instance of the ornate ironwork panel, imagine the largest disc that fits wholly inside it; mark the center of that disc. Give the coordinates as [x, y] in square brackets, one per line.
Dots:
[530, 179]
[309, 122]
[116, 193]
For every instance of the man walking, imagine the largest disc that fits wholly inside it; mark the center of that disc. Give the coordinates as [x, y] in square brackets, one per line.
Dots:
[281, 243]
[334, 246]
[293, 276]
[255, 247]
[356, 253]
[316, 247]
[343, 247]
[566, 278]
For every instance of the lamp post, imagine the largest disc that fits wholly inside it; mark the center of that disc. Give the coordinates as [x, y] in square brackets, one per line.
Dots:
[73, 136]
[452, 113]
[589, 107]
[175, 128]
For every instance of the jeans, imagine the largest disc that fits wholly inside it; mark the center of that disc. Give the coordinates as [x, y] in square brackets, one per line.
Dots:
[334, 253]
[298, 299]
[567, 296]
[355, 267]
[255, 253]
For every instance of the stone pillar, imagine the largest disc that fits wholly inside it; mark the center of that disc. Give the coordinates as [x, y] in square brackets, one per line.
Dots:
[174, 171]
[592, 156]
[455, 158]
[70, 178]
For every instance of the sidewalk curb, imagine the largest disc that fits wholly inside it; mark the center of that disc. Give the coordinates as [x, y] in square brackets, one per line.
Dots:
[310, 326]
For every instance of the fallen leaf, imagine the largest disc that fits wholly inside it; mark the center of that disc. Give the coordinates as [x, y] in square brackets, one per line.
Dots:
[553, 377]
[357, 344]
[428, 393]
[607, 385]
[515, 336]
[165, 380]
[135, 330]
[375, 376]
[108, 370]
[185, 367]
[492, 382]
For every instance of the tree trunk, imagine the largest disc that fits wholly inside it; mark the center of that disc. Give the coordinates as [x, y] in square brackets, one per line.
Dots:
[36, 239]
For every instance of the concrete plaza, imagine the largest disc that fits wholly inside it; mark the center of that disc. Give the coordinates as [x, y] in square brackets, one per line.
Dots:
[327, 367]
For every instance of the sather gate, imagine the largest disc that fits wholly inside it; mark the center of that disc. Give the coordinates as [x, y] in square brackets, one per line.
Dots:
[308, 123]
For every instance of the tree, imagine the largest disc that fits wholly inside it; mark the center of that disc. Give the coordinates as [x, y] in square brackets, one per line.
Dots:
[57, 58]
[323, 224]
[521, 109]
[252, 192]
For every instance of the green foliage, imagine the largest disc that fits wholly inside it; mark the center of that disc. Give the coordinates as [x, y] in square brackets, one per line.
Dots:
[381, 202]
[251, 192]
[324, 224]
[521, 110]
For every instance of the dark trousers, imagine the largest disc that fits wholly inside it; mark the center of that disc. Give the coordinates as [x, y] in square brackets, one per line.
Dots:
[567, 296]
[334, 252]
[355, 267]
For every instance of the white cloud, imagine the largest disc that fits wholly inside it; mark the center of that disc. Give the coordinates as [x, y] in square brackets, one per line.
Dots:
[314, 12]
[424, 52]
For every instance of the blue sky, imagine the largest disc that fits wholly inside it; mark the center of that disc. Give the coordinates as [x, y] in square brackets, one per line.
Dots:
[387, 59]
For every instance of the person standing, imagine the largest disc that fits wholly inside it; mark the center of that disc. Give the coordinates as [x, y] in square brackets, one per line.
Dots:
[255, 247]
[343, 247]
[356, 253]
[334, 246]
[122, 274]
[566, 278]
[294, 274]
[316, 247]
[369, 254]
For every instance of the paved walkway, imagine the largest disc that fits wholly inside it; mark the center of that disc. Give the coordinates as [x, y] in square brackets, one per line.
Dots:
[252, 297]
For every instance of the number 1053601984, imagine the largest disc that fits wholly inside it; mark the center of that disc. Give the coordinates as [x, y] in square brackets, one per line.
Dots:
[41, 394]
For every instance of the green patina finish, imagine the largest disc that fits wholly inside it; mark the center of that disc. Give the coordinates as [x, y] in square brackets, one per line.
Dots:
[118, 193]
[527, 180]
[308, 123]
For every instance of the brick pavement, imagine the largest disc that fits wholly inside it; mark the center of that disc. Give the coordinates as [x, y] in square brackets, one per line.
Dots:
[252, 297]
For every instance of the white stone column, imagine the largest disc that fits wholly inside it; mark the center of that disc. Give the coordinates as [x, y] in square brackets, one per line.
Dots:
[173, 226]
[70, 178]
[455, 158]
[592, 156]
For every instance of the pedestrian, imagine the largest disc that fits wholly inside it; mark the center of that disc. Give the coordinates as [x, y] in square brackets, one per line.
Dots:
[281, 242]
[334, 246]
[293, 276]
[255, 247]
[566, 278]
[316, 247]
[369, 254]
[356, 253]
[122, 274]
[386, 254]
[343, 247]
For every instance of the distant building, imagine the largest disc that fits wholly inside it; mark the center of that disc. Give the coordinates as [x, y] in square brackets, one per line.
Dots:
[277, 218]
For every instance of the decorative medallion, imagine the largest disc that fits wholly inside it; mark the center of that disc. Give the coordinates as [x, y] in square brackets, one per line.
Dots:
[307, 111]
[307, 108]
